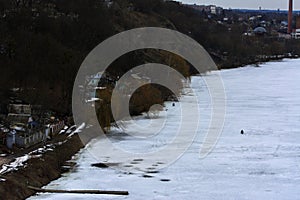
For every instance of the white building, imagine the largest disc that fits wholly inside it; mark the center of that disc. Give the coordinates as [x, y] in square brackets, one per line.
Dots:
[296, 34]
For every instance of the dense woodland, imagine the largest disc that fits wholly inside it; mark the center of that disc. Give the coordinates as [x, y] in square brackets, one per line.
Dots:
[43, 42]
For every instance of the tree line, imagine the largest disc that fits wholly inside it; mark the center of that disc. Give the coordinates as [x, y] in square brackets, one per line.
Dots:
[43, 42]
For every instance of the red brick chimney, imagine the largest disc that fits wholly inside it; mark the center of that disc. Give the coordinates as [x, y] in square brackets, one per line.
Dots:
[290, 17]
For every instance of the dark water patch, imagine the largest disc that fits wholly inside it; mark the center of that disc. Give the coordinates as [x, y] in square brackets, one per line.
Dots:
[165, 180]
[147, 176]
[68, 166]
[151, 168]
[128, 173]
[138, 160]
[99, 165]
[65, 168]
[261, 173]
[128, 166]
[152, 172]
[104, 165]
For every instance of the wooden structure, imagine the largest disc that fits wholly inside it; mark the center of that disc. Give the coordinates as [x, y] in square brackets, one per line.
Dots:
[79, 191]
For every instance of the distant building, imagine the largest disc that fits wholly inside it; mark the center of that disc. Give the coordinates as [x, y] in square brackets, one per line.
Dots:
[24, 130]
[23, 137]
[296, 34]
[55, 127]
[26, 127]
[19, 108]
[211, 9]
[260, 31]
[19, 113]
[284, 23]
[284, 35]
[249, 33]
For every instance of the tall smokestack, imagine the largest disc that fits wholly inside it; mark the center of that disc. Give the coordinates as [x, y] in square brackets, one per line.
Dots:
[290, 17]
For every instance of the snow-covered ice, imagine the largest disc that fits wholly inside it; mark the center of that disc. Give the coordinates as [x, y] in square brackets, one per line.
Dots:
[263, 163]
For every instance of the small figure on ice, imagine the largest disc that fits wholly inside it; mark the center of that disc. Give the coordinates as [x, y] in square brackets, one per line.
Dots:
[242, 131]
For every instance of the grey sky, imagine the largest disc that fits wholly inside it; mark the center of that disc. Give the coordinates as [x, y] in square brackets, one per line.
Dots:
[253, 4]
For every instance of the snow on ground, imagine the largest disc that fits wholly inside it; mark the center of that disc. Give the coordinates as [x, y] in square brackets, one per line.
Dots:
[64, 130]
[264, 163]
[78, 130]
[17, 163]
[21, 161]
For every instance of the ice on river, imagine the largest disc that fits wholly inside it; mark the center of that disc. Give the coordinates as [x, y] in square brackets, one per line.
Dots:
[263, 163]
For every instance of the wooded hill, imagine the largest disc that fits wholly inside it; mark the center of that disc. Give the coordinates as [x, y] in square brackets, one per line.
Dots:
[43, 42]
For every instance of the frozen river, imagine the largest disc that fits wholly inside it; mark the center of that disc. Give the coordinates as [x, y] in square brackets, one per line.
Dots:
[264, 163]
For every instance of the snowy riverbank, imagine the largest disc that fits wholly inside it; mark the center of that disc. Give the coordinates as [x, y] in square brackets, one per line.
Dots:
[261, 164]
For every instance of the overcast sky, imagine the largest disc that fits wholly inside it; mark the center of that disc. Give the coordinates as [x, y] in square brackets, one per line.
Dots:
[252, 4]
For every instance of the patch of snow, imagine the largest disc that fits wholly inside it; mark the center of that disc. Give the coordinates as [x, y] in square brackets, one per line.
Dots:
[19, 162]
[60, 143]
[72, 128]
[100, 88]
[64, 130]
[92, 100]
[42, 150]
[13, 166]
[78, 130]
[18, 128]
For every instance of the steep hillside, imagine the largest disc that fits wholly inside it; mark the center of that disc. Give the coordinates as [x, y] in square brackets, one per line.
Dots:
[42, 43]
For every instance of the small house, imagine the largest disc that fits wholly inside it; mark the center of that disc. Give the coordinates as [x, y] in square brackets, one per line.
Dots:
[296, 34]
[56, 127]
[19, 113]
[22, 136]
[19, 108]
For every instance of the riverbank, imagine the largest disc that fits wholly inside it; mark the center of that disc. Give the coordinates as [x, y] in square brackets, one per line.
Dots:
[263, 163]
[260, 59]
[39, 171]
